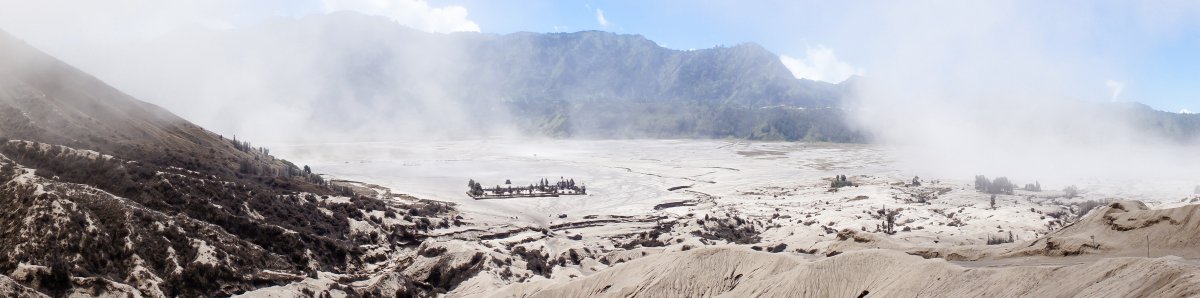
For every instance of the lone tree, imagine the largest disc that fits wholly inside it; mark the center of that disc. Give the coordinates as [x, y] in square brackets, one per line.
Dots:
[889, 220]
[993, 202]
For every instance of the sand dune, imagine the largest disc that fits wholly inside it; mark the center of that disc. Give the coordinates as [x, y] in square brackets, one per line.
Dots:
[736, 272]
[1064, 263]
[1124, 228]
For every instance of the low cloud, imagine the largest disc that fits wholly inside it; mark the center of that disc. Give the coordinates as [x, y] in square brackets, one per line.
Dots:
[413, 13]
[820, 63]
[600, 19]
[1114, 88]
[964, 89]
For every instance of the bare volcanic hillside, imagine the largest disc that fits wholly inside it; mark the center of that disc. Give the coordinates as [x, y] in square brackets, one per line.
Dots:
[1066, 262]
[107, 195]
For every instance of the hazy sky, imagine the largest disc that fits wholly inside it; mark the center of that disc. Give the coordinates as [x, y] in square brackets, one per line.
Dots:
[1139, 51]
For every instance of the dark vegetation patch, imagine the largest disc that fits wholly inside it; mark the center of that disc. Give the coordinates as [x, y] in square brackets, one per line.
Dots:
[445, 276]
[994, 240]
[732, 229]
[779, 248]
[841, 181]
[1087, 206]
[535, 260]
[674, 204]
[645, 239]
[430, 252]
[266, 212]
[216, 202]
[674, 188]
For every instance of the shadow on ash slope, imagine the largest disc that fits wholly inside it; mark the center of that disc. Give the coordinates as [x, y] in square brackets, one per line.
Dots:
[770, 224]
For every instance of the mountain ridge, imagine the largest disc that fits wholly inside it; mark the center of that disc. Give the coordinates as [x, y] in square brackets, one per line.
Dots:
[347, 75]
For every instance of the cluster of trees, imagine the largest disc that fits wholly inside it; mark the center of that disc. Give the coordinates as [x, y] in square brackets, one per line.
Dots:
[1087, 206]
[840, 181]
[254, 167]
[258, 163]
[245, 146]
[474, 188]
[563, 186]
[1000, 185]
[1035, 186]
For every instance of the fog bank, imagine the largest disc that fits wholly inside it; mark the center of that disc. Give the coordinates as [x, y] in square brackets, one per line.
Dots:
[1003, 89]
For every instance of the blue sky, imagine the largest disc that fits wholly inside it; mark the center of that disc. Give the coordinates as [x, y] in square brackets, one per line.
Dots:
[1094, 50]
[1151, 52]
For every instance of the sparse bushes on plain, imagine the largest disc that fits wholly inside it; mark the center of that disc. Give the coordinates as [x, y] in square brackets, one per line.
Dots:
[735, 230]
[645, 239]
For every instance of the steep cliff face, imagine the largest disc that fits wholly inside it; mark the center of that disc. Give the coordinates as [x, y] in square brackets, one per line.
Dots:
[351, 76]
